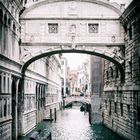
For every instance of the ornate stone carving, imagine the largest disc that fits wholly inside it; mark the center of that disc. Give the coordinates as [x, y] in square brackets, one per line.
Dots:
[72, 8]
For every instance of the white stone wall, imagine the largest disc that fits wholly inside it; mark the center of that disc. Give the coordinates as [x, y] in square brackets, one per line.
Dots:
[10, 72]
[41, 90]
[5, 105]
[37, 31]
[68, 15]
[75, 9]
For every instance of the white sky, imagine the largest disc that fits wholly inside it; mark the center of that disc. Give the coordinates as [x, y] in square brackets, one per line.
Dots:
[121, 1]
[75, 59]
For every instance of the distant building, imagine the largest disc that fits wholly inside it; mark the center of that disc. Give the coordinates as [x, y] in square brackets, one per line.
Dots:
[72, 82]
[78, 80]
[64, 74]
[84, 78]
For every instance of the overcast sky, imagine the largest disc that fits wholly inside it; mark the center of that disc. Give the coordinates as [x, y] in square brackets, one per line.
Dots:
[121, 1]
[75, 59]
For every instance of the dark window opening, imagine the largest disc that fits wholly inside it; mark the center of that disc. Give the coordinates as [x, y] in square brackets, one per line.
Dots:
[0, 108]
[128, 110]
[93, 28]
[130, 68]
[115, 105]
[130, 32]
[121, 107]
[5, 20]
[111, 72]
[52, 28]
[5, 107]
[139, 64]
[138, 107]
[138, 113]
[1, 14]
[117, 72]
[107, 75]
[110, 108]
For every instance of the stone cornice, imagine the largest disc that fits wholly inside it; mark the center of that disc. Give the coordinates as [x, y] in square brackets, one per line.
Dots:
[69, 18]
[109, 5]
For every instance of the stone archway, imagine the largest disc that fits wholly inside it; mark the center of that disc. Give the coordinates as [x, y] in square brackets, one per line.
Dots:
[73, 32]
[104, 55]
[57, 26]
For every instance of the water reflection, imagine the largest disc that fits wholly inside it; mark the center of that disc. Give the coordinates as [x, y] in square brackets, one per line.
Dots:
[71, 124]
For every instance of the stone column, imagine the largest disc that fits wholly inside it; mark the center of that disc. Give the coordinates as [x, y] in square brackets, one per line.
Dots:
[20, 109]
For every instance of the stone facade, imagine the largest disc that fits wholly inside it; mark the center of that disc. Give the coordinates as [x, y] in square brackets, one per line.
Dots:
[19, 113]
[9, 67]
[121, 107]
[27, 99]
[96, 80]
[42, 92]
[64, 73]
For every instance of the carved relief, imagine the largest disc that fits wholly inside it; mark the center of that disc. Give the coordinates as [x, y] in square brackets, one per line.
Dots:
[83, 28]
[63, 27]
[72, 8]
[73, 29]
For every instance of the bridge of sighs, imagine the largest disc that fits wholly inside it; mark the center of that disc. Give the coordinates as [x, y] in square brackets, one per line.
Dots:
[57, 26]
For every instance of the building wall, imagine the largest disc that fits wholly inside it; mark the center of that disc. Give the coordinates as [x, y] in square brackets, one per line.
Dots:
[64, 74]
[42, 92]
[96, 80]
[9, 66]
[121, 105]
[76, 29]
[39, 85]
[20, 113]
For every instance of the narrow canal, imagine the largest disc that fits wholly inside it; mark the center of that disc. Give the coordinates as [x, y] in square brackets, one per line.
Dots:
[71, 124]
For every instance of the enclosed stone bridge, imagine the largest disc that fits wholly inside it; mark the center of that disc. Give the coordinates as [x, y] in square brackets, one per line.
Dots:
[51, 27]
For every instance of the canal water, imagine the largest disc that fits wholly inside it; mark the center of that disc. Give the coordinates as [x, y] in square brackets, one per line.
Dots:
[72, 124]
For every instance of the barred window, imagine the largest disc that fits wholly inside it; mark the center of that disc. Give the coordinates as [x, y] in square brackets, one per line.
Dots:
[115, 105]
[130, 32]
[52, 28]
[93, 28]
[121, 107]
